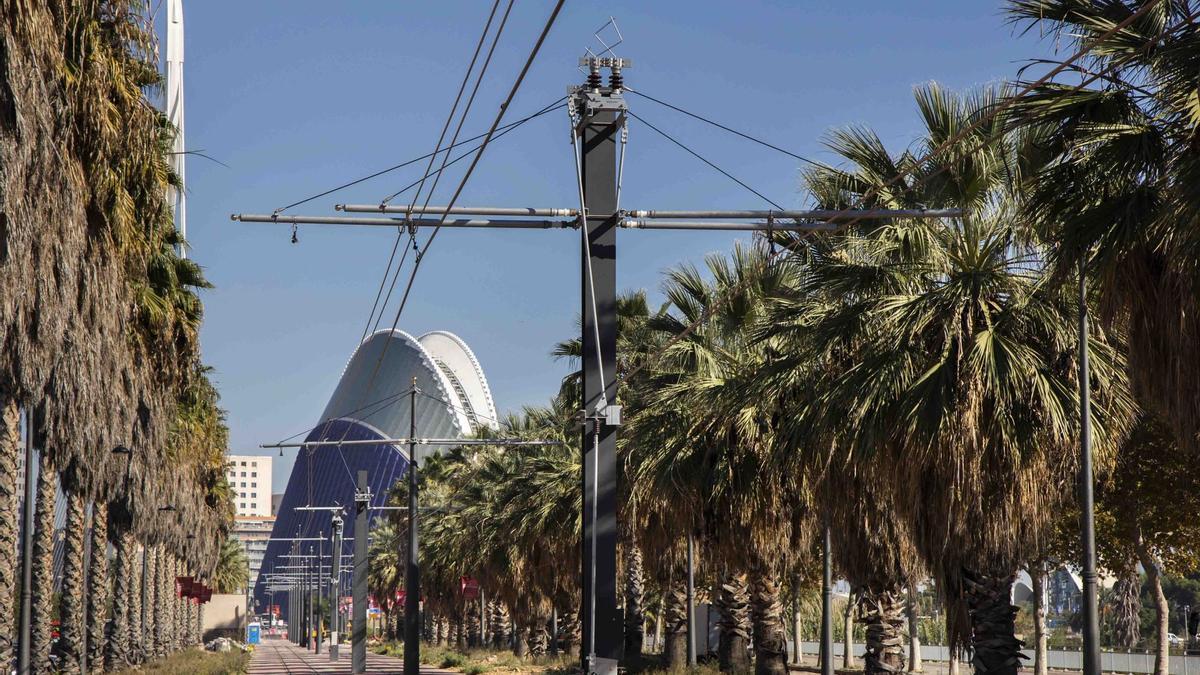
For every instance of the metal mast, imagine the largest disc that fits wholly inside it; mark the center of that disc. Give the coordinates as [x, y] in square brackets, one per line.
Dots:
[412, 575]
[177, 196]
[597, 119]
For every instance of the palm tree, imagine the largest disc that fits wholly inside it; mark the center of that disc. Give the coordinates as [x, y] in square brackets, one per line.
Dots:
[97, 584]
[951, 362]
[73, 639]
[117, 653]
[1116, 191]
[10, 441]
[230, 573]
[388, 556]
[699, 443]
[43, 565]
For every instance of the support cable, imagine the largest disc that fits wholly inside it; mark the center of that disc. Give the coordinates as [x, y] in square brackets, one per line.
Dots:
[971, 128]
[587, 255]
[700, 157]
[718, 125]
[388, 170]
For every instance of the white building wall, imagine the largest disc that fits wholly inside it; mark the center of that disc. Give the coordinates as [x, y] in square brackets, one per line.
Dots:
[250, 479]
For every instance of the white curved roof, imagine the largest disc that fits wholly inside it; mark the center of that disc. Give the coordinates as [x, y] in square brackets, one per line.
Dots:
[454, 401]
[462, 368]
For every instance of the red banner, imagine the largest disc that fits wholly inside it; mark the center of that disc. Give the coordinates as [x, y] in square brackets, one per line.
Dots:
[469, 587]
[183, 587]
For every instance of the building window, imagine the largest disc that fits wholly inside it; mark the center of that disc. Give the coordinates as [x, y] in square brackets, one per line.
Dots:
[244, 473]
[254, 474]
[256, 463]
[254, 485]
[242, 506]
[243, 494]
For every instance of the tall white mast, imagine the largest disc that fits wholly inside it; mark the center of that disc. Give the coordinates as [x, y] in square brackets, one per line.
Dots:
[175, 114]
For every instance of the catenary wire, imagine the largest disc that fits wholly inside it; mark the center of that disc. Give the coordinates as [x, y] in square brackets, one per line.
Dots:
[437, 148]
[437, 176]
[504, 130]
[466, 177]
[458, 129]
[971, 128]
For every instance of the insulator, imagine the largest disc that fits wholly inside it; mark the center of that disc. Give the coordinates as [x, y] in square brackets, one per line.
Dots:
[615, 81]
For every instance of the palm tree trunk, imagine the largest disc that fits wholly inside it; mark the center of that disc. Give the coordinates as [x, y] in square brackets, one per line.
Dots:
[161, 604]
[658, 625]
[770, 639]
[474, 627]
[733, 605]
[43, 567]
[797, 632]
[97, 582]
[1040, 665]
[914, 636]
[1161, 611]
[116, 654]
[176, 637]
[848, 632]
[997, 651]
[883, 613]
[539, 637]
[71, 643]
[570, 632]
[138, 606]
[149, 595]
[635, 592]
[676, 619]
[10, 452]
[521, 643]
[498, 620]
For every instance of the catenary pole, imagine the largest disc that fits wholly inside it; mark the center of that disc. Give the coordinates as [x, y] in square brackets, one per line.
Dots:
[335, 586]
[1091, 619]
[601, 113]
[826, 606]
[358, 648]
[412, 574]
[691, 598]
[318, 588]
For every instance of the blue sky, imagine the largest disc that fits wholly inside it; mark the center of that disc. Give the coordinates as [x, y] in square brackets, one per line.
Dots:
[297, 96]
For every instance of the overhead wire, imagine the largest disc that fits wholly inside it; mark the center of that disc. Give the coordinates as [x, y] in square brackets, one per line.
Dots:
[437, 176]
[432, 157]
[458, 129]
[503, 131]
[466, 177]
[721, 298]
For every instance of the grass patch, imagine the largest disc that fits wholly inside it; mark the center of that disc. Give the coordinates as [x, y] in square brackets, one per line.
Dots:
[480, 661]
[195, 662]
